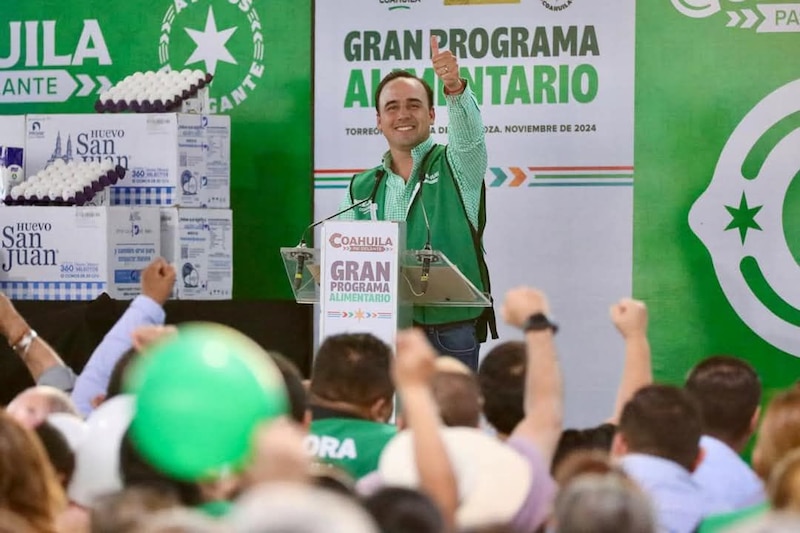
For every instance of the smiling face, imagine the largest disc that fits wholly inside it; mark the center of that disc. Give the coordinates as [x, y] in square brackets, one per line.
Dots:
[405, 115]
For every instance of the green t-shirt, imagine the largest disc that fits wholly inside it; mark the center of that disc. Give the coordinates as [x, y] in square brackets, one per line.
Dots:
[722, 522]
[350, 443]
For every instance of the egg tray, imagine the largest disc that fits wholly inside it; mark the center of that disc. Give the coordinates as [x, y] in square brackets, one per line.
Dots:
[103, 181]
[158, 106]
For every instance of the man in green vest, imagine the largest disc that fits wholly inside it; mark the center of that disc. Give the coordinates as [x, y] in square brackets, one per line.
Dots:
[352, 398]
[437, 189]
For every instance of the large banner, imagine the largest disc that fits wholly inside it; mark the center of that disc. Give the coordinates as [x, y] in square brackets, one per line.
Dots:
[57, 57]
[554, 79]
[717, 232]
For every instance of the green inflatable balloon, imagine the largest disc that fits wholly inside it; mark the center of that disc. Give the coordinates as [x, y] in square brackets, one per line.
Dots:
[199, 397]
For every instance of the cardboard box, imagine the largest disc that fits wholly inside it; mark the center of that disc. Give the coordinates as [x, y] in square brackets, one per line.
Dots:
[76, 253]
[199, 243]
[172, 159]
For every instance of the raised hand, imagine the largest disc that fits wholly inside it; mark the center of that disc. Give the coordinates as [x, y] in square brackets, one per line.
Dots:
[445, 65]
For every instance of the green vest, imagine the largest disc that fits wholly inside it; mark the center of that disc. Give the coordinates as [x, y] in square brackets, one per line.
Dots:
[353, 444]
[451, 232]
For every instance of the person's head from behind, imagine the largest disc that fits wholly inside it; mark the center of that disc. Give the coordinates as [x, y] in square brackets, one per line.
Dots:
[32, 405]
[727, 391]
[783, 486]
[29, 486]
[115, 382]
[405, 113]
[125, 511]
[502, 381]
[779, 432]
[663, 421]
[598, 438]
[398, 510]
[581, 462]
[457, 393]
[61, 456]
[602, 503]
[295, 507]
[296, 392]
[352, 373]
[136, 471]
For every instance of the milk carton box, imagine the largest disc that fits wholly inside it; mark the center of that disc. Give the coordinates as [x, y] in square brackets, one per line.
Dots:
[172, 159]
[199, 244]
[76, 253]
[12, 152]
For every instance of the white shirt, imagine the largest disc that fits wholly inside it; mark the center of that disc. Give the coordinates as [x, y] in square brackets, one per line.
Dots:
[727, 476]
[679, 502]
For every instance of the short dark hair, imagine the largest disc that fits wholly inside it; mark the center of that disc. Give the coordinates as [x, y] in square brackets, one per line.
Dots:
[598, 438]
[396, 74]
[136, 471]
[353, 368]
[502, 380]
[662, 420]
[117, 378]
[397, 510]
[58, 451]
[296, 392]
[727, 391]
[458, 397]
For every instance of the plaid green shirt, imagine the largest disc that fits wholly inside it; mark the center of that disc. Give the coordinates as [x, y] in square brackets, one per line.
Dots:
[466, 154]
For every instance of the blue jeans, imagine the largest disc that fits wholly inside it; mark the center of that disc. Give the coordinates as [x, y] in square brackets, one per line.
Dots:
[456, 340]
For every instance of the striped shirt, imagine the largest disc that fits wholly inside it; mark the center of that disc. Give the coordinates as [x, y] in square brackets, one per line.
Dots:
[466, 154]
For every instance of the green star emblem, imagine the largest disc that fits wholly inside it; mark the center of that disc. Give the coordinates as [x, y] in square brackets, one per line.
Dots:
[743, 217]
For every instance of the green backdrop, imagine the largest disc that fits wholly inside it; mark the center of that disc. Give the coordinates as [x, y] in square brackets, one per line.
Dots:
[696, 78]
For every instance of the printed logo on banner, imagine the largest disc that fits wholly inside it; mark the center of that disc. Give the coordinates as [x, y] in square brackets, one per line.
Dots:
[361, 243]
[225, 39]
[399, 4]
[765, 17]
[557, 5]
[748, 218]
[32, 70]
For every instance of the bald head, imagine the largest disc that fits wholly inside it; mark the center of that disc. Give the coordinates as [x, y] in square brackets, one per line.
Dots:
[31, 406]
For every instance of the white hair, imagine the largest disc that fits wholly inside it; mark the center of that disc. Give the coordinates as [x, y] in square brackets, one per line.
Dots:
[607, 503]
[296, 508]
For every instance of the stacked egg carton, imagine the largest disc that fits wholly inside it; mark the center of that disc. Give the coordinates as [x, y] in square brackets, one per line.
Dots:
[153, 92]
[72, 183]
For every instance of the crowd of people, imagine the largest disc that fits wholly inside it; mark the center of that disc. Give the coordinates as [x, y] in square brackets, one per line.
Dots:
[397, 439]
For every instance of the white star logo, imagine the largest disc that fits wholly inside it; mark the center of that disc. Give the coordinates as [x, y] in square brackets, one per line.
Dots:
[211, 44]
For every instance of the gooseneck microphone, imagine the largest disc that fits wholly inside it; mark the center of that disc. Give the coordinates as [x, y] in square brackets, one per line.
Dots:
[427, 253]
[302, 256]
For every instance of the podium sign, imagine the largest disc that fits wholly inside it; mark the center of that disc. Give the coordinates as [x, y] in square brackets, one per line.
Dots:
[360, 279]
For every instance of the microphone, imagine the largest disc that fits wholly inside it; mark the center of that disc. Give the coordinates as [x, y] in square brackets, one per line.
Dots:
[302, 256]
[427, 252]
[301, 263]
